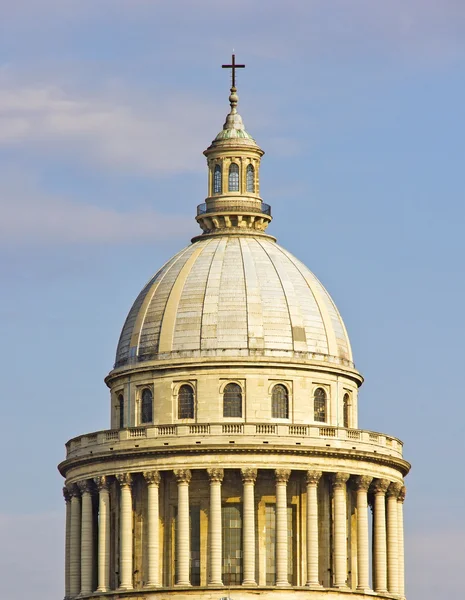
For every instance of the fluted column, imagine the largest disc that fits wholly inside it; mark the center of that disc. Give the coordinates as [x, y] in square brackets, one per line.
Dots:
[340, 529]
[215, 526]
[249, 477]
[87, 536]
[282, 577]
[75, 542]
[103, 571]
[67, 497]
[313, 477]
[392, 538]
[125, 569]
[380, 487]
[183, 477]
[153, 550]
[361, 485]
[400, 524]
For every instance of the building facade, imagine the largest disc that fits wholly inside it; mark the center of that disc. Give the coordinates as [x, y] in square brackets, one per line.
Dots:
[234, 458]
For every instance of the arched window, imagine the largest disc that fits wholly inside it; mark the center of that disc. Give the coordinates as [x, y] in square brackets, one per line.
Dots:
[280, 402]
[346, 404]
[250, 178]
[121, 411]
[232, 400]
[186, 402]
[217, 180]
[319, 405]
[233, 182]
[146, 409]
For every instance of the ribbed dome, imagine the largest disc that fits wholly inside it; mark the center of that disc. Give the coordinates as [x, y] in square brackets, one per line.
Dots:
[233, 296]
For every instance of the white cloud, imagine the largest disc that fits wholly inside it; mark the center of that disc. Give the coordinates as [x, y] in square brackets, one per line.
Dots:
[32, 556]
[30, 216]
[161, 138]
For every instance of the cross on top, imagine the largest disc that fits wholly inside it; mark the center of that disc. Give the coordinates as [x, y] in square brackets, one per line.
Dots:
[233, 68]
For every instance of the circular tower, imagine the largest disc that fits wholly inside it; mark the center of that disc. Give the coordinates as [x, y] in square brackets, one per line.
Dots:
[234, 465]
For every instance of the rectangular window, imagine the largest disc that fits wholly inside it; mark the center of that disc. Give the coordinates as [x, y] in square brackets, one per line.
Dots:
[270, 536]
[232, 544]
[195, 544]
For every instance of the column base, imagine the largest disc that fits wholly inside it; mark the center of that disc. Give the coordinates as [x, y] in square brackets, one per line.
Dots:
[102, 589]
[365, 590]
[283, 584]
[219, 584]
[342, 586]
[249, 583]
[152, 585]
[314, 586]
[183, 584]
[125, 588]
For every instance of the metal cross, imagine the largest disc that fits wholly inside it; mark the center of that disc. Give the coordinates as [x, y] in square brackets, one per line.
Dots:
[233, 68]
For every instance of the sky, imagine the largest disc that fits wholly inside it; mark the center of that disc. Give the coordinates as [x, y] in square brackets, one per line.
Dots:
[105, 109]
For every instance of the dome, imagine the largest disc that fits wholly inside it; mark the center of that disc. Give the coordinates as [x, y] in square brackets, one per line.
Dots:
[234, 296]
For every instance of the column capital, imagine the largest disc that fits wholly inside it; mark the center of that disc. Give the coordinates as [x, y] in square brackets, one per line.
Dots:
[66, 495]
[124, 479]
[339, 479]
[313, 477]
[85, 486]
[74, 490]
[362, 483]
[102, 482]
[182, 475]
[282, 475]
[216, 474]
[249, 475]
[401, 496]
[152, 477]
[380, 486]
[394, 490]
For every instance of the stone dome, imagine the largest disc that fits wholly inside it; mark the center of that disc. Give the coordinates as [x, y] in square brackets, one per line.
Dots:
[234, 296]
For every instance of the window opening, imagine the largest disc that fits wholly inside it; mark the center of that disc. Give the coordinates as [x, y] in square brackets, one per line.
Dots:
[280, 402]
[186, 402]
[121, 411]
[232, 544]
[147, 406]
[233, 183]
[250, 178]
[319, 401]
[217, 180]
[346, 401]
[232, 400]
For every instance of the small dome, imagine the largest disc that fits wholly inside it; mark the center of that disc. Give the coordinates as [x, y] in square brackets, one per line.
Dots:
[234, 296]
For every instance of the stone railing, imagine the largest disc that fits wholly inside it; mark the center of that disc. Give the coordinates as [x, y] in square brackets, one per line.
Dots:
[246, 433]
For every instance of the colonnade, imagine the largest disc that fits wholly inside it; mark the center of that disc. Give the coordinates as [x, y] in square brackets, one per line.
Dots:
[86, 534]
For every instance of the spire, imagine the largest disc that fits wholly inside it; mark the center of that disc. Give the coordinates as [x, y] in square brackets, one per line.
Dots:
[233, 205]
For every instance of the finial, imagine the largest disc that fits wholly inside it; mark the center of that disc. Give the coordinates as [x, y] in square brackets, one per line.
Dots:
[233, 98]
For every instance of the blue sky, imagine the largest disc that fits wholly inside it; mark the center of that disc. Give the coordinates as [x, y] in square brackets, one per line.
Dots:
[105, 109]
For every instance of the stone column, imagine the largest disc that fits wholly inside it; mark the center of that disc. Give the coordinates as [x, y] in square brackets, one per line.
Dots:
[67, 497]
[75, 542]
[103, 572]
[392, 538]
[282, 577]
[87, 536]
[183, 477]
[361, 485]
[400, 524]
[249, 477]
[126, 568]
[215, 527]
[153, 538]
[380, 487]
[340, 529]
[313, 477]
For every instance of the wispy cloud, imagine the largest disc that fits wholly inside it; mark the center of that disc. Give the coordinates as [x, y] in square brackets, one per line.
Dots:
[123, 135]
[32, 216]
